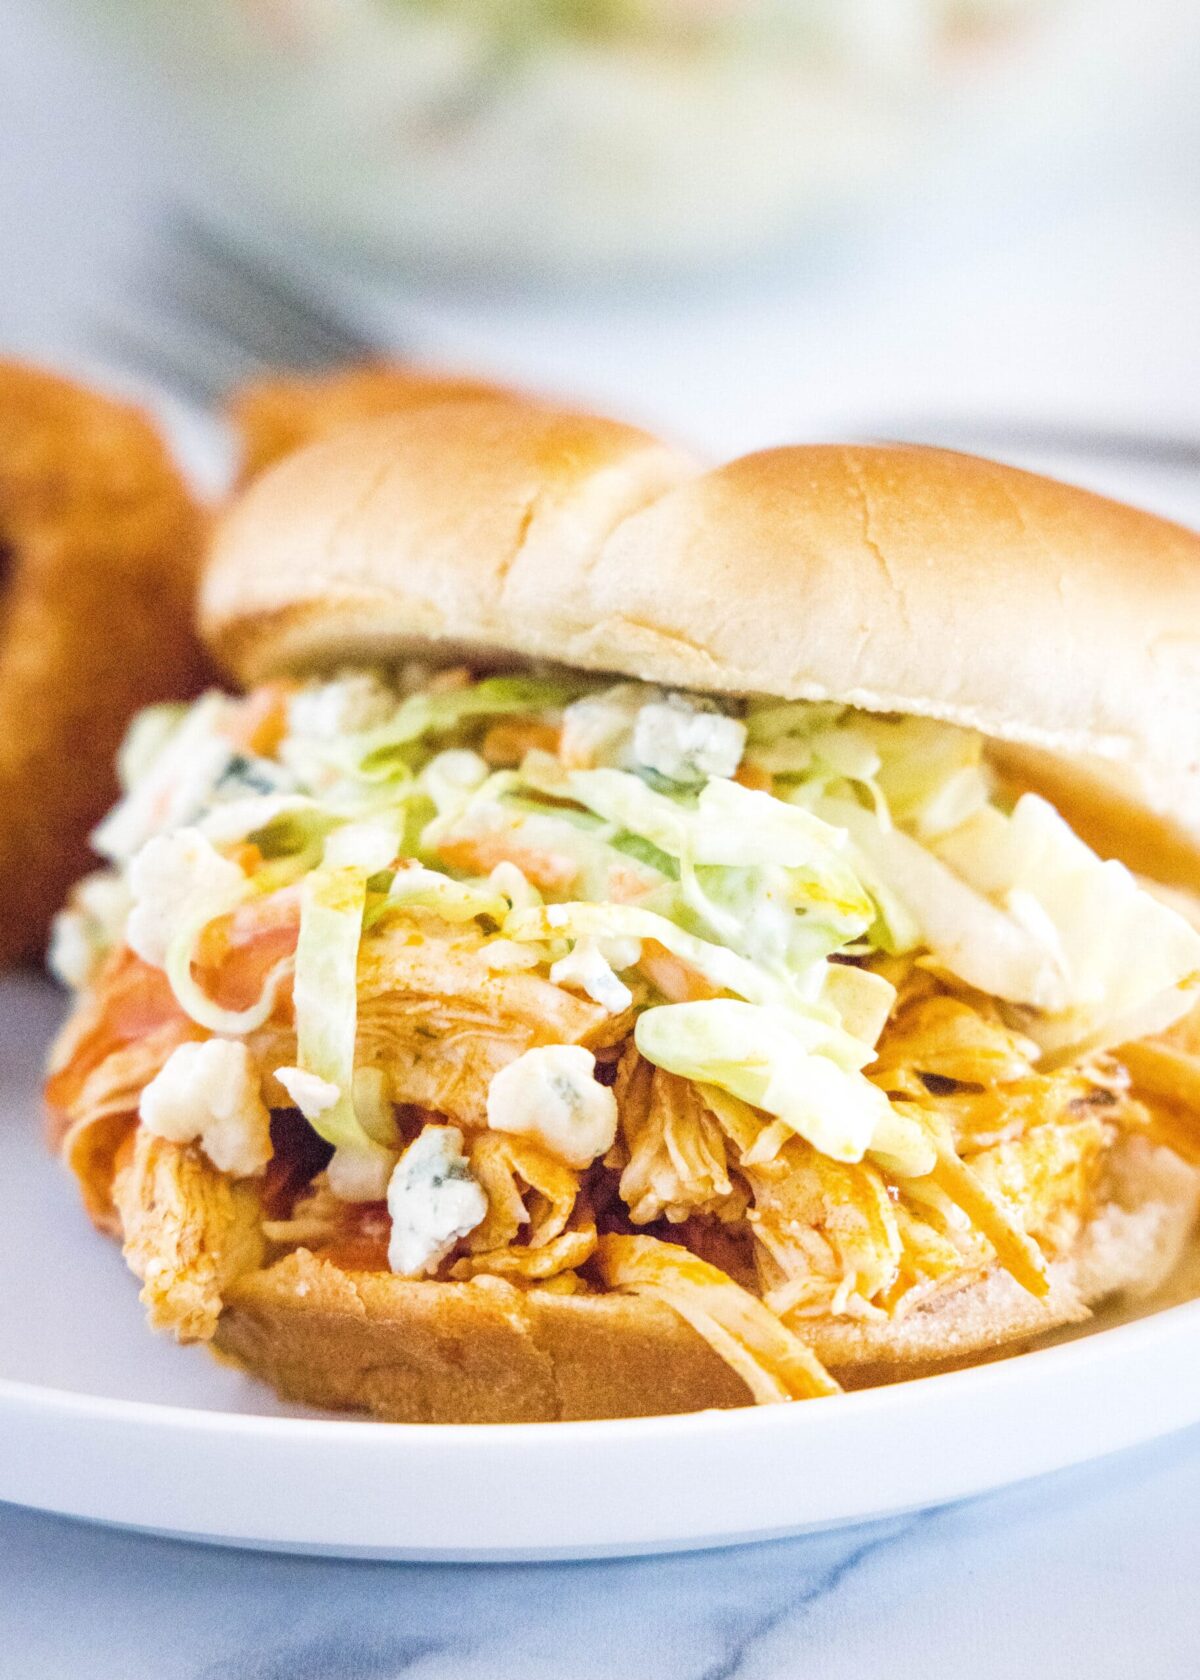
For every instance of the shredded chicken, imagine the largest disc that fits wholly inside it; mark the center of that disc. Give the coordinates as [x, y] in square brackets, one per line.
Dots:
[128, 1005]
[939, 1250]
[672, 1150]
[1166, 1077]
[188, 1231]
[934, 1033]
[531, 1196]
[1019, 1152]
[986, 1208]
[1047, 1177]
[537, 1226]
[317, 1217]
[828, 1227]
[103, 1110]
[441, 1023]
[561, 1254]
[1018, 1157]
[772, 1361]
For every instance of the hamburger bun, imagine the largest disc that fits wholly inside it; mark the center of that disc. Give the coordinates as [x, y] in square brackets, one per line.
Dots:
[434, 532]
[893, 578]
[1060, 625]
[1148, 819]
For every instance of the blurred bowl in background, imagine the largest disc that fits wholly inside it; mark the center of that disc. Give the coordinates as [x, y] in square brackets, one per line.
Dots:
[570, 136]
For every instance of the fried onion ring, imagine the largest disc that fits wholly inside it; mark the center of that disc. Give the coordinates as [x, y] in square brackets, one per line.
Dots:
[99, 541]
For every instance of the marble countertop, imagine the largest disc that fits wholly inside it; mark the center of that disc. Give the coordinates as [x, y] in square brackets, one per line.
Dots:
[1088, 1575]
[1069, 303]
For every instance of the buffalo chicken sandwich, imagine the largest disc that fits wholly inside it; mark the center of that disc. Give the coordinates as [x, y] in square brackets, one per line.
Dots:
[634, 945]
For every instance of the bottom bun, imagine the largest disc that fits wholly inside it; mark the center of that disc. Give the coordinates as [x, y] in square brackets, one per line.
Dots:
[478, 1352]
[486, 1352]
[1129, 1248]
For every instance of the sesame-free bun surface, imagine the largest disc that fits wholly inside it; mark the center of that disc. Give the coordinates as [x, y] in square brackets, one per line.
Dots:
[439, 531]
[486, 1352]
[890, 577]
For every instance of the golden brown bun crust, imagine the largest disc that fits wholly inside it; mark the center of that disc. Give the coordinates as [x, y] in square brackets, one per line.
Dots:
[484, 1352]
[275, 416]
[99, 549]
[890, 577]
[479, 1352]
[1128, 1249]
[1152, 823]
[918, 580]
[436, 529]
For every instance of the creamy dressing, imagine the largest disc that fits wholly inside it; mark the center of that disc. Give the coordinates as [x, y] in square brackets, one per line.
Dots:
[175, 879]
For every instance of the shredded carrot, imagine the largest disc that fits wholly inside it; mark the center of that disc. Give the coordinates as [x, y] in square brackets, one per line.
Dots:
[261, 720]
[478, 854]
[247, 857]
[750, 776]
[677, 982]
[235, 953]
[626, 883]
[506, 743]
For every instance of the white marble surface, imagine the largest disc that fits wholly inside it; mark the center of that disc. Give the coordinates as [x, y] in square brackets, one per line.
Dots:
[1073, 298]
[1089, 1575]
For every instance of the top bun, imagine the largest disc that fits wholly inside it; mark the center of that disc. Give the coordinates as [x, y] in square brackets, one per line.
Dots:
[889, 577]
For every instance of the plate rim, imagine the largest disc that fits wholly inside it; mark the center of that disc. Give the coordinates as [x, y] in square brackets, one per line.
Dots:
[1165, 1322]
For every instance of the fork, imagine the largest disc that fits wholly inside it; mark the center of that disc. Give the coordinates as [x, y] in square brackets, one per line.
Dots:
[219, 313]
[210, 314]
[1134, 448]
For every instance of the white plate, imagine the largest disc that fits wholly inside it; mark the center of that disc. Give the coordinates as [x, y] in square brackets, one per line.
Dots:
[99, 1419]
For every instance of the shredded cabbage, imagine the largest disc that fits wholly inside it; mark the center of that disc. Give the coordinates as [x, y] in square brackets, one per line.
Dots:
[1022, 909]
[722, 968]
[797, 1067]
[172, 771]
[285, 821]
[931, 775]
[726, 825]
[452, 777]
[917, 772]
[1129, 965]
[417, 888]
[569, 849]
[862, 1000]
[968, 935]
[769, 880]
[433, 714]
[326, 1000]
[146, 737]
